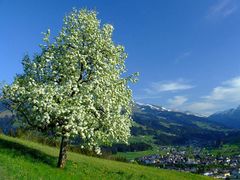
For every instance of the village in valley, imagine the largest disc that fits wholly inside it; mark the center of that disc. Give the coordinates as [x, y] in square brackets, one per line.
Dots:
[197, 160]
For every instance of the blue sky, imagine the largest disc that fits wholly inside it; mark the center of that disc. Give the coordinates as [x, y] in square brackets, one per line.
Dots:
[187, 52]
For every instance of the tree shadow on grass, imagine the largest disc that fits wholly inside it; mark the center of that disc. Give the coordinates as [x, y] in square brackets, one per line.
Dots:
[16, 149]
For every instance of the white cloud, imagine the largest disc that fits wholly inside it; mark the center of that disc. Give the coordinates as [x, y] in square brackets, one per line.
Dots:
[224, 96]
[222, 8]
[220, 98]
[183, 56]
[229, 91]
[177, 101]
[204, 107]
[146, 97]
[172, 86]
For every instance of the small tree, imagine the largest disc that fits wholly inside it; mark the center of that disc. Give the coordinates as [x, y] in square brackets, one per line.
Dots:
[75, 86]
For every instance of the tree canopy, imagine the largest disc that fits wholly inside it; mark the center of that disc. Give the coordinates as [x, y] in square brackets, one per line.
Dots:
[76, 85]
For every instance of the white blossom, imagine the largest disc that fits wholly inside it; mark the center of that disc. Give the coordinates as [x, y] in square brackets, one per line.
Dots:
[76, 85]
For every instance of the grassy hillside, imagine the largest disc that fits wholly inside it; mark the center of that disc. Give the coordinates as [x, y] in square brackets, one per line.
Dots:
[20, 159]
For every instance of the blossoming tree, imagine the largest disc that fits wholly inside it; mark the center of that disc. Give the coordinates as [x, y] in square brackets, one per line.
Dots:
[75, 86]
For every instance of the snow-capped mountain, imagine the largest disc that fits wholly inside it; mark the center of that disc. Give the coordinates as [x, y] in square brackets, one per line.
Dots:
[230, 118]
[155, 107]
[161, 108]
[171, 126]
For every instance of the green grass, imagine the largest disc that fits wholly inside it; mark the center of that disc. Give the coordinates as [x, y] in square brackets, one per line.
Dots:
[227, 150]
[140, 139]
[137, 154]
[21, 159]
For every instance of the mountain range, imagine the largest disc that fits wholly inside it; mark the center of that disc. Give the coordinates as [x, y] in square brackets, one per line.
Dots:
[164, 126]
[173, 127]
[230, 118]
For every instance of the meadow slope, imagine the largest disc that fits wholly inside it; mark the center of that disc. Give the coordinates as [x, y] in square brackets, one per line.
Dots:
[21, 159]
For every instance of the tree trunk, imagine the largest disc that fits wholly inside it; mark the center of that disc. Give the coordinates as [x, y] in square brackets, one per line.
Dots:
[62, 153]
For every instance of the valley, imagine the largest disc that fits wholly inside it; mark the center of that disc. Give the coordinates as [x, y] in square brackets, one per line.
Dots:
[173, 140]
